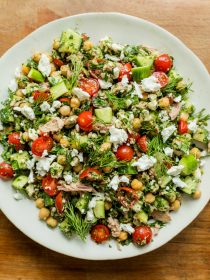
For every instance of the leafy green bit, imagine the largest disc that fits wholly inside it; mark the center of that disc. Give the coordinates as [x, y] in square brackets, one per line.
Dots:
[98, 102]
[76, 68]
[101, 159]
[31, 63]
[6, 115]
[202, 117]
[116, 102]
[155, 145]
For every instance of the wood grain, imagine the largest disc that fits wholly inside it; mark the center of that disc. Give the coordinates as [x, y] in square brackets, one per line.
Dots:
[188, 255]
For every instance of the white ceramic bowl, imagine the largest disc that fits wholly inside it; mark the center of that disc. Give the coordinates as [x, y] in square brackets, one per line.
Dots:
[124, 29]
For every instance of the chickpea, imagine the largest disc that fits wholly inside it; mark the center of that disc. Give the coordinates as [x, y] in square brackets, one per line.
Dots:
[64, 142]
[65, 70]
[39, 203]
[75, 102]
[61, 159]
[136, 123]
[57, 137]
[87, 45]
[184, 116]
[196, 152]
[53, 68]
[25, 69]
[78, 168]
[44, 213]
[137, 185]
[55, 74]
[56, 44]
[123, 236]
[25, 136]
[149, 198]
[164, 102]
[49, 56]
[52, 222]
[65, 110]
[197, 194]
[36, 56]
[105, 146]
[107, 205]
[107, 169]
[24, 104]
[175, 205]
[145, 95]
[19, 93]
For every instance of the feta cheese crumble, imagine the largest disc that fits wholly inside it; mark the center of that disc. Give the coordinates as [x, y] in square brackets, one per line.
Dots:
[44, 65]
[26, 111]
[192, 125]
[112, 57]
[104, 85]
[45, 106]
[175, 170]
[81, 94]
[13, 86]
[178, 182]
[1, 126]
[43, 165]
[150, 84]
[118, 136]
[137, 91]
[116, 72]
[32, 134]
[167, 132]
[68, 178]
[127, 227]
[124, 81]
[18, 72]
[168, 151]
[145, 162]
[114, 183]
[117, 47]
[178, 98]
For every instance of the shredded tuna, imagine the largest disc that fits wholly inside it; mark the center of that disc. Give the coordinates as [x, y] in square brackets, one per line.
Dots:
[54, 125]
[161, 216]
[175, 111]
[114, 226]
[76, 187]
[101, 127]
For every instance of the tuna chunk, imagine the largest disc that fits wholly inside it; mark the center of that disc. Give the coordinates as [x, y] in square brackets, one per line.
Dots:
[54, 125]
[161, 216]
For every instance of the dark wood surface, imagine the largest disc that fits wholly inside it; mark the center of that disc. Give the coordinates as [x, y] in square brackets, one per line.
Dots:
[187, 256]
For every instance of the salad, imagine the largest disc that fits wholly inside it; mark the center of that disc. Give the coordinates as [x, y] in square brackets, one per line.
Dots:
[103, 138]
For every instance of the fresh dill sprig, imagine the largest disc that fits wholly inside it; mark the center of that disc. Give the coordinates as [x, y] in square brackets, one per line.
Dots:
[117, 102]
[76, 223]
[202, 116]
[76, 68]
[101, 159]
[155, 145]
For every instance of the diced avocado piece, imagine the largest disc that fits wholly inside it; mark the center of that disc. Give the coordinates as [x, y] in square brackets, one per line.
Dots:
[70, 41]
[142, 217]
[58, 90]
[56, 170]
[82, 203]
[18, 160]
[99, 209]
[201, 135]
[143, 60]
[170, 195]
[35, 75]
[190, 164]
[192, 184]
[163, 181]
[104, 114]
[20, 182]
[139, 73]
[161, 204]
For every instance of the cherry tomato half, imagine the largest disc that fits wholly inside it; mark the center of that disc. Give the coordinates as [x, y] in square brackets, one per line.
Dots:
[85, 120]
[6, 171]
[125, 71]
[59, 202]
[90, 174]
[182, 127]
[58, 62]
[162, 78]
[100, 233]
[124, 152]
[65, 100]
[49, 185]
[142, 235]
[142, 143]
[91, 86]
[14, 138]
[40, 96]
[40, 144]
[163, 63]
[127, 197]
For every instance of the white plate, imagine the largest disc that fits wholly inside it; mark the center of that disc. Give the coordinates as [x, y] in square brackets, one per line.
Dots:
[124, 29]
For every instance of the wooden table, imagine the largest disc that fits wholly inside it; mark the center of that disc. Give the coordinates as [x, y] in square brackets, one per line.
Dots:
[187, 256]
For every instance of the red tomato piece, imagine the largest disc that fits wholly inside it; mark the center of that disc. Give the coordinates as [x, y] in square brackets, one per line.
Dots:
[133, 137]
[162, 78]
[6, 171]
[100, 233]
[14, 138]
[65, 100]
[58, 62]
[89, 173]
[163, 63]
[49, 185]
[40, 144]
[127, 197]
[142, 143]
[142, 235]
[40, 96]
[85, 37]
[59, 202]
[124, 152]
[85, 121]
[90, 85]
[125, 71]
[182, 127]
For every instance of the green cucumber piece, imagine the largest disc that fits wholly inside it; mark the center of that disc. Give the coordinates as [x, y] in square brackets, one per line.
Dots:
[36, 75]
[99, 209]
[82, 203]
[18, 160]
[190, 164]
[104, 114]
[139, 73]
[143, 60]
[163, 181]
[192, 184]
[58, 90]
[20, 182]
[142, 217]
[70, 41]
